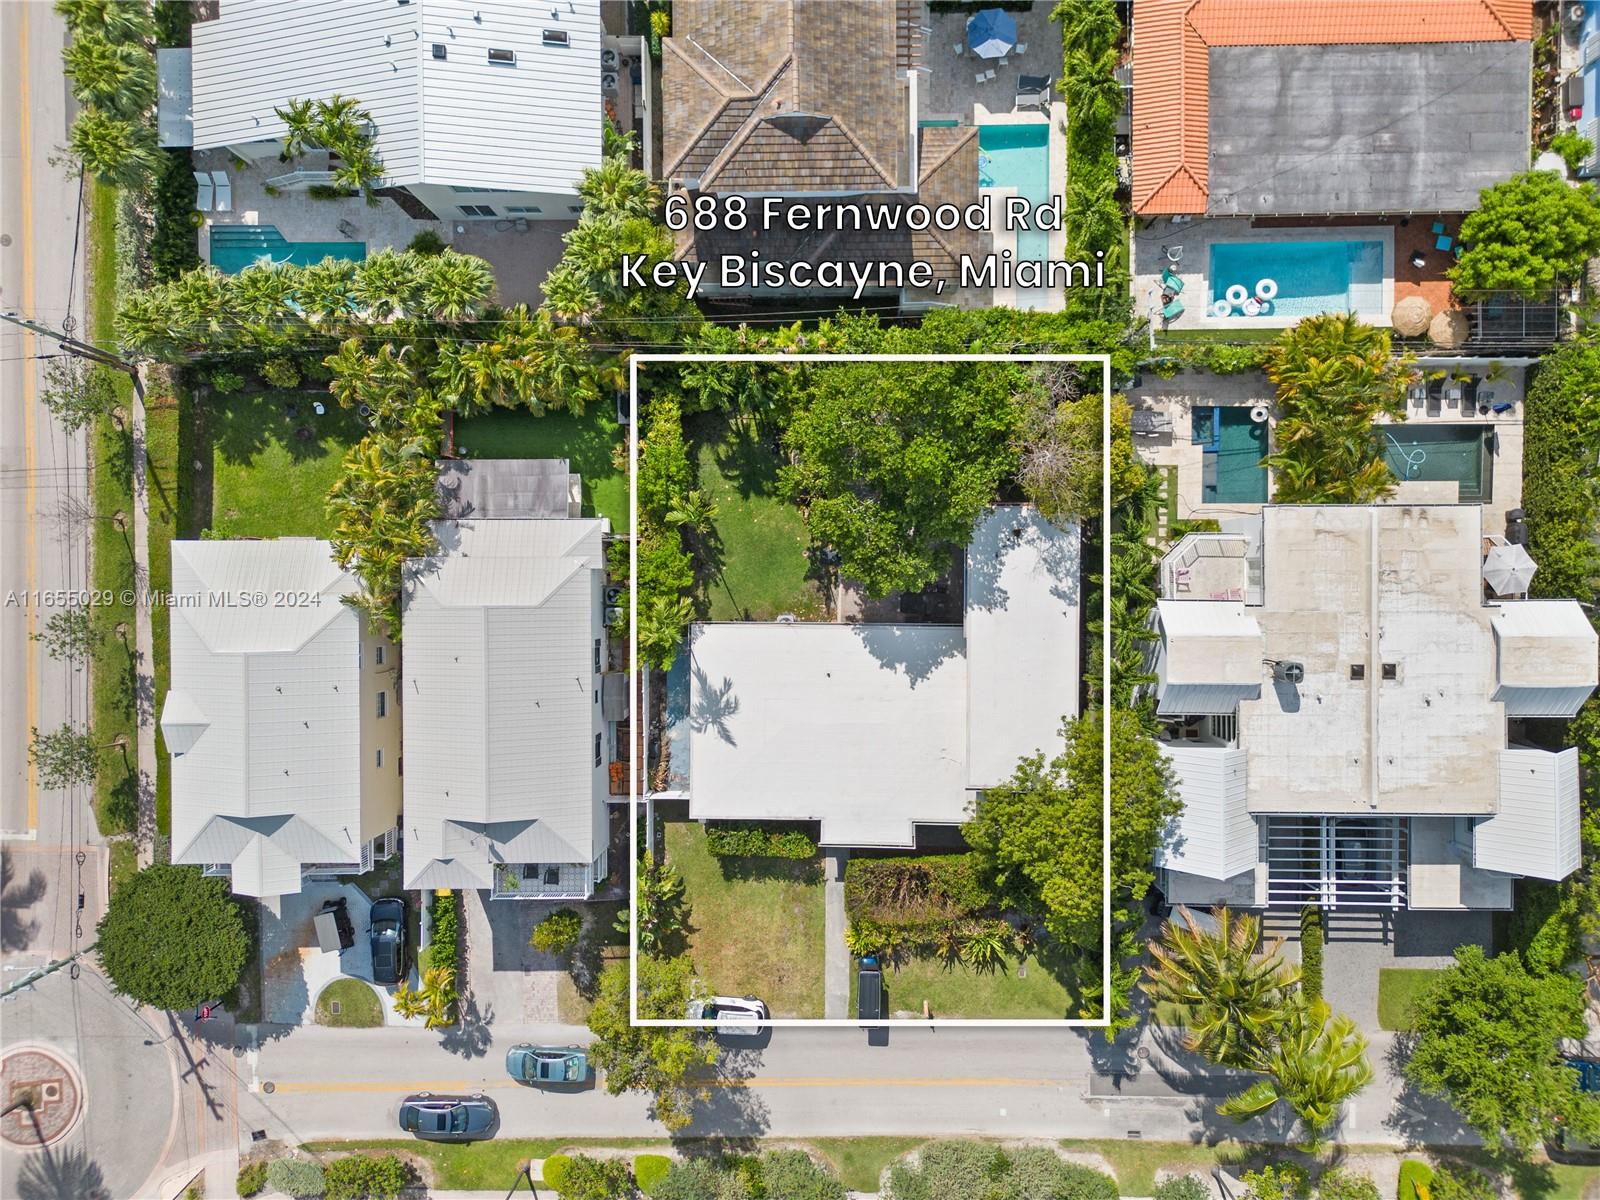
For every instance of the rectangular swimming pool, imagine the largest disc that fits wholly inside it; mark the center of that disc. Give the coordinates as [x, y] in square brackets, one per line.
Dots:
[1462, 454]
[1302, 278]
[1018, 156]
[1233, 447]
[235, 247]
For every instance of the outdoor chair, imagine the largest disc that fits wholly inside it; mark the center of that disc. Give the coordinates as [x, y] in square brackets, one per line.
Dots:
[980, 77]
[1020, 48]
[224, 191]
[960, 48]
[988, 75]
[205, 191]
[1172, 311]
[1170, 282]
[1436, 227]
[1443, 242]
[1033, 91]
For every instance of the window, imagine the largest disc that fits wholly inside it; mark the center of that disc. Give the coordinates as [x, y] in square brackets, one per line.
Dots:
[598, 752]
[524, 209]
[575, 208]
[1358, 671]
[476, 210]
[380, 756]
[439, 50]
[383, 704]
[597, 656]
[597, 695]
[377, 655]
[556, 37]
[508, 57]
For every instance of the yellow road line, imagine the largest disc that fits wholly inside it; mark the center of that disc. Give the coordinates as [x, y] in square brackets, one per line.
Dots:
[337, 1086]
[25, 133]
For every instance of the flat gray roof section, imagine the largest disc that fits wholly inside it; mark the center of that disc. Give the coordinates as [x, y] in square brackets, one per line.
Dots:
[504, 489]
[1365, 129]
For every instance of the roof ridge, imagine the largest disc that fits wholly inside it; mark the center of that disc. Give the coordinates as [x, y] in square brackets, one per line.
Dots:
[720, 160]
[672, 44]
[872, 160]
[968, 133]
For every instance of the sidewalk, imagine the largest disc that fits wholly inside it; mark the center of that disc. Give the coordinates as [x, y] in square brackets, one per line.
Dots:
[836, 955]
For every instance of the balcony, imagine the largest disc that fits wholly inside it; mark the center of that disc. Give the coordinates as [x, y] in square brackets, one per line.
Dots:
[543, 881]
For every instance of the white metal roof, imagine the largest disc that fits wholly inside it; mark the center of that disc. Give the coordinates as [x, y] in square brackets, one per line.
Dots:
[1536, 832]
[1214, 836]
[1022, 626]
[861, 727]
[499, 699]
[530, 125]
[263, 716]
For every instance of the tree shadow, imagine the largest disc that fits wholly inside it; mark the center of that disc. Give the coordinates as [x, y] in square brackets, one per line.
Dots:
[791, 870]
[244, 425]
[17, 927]
[61, 1175]
[1419, 1118]
[733, 1115]
[470, 1036]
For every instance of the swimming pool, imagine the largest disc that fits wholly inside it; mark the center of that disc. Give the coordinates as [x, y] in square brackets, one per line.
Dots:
[1462, 454]
[235, 247]
[1233, 446]
[1311, 277]
[1018, 156]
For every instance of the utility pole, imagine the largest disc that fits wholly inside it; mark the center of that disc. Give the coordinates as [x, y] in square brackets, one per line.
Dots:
[74, 347]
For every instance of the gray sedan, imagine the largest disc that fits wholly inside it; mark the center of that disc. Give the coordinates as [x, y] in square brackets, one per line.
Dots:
[449, 1118]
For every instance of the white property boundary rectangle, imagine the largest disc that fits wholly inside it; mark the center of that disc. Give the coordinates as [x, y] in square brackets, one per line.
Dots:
[633, 687]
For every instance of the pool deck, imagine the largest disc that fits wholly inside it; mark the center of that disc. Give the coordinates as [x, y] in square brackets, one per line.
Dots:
[1196, 238]
[1179, 396]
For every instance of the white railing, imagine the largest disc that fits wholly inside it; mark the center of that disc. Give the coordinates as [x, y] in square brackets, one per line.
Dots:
[300, 178]
[543, 881]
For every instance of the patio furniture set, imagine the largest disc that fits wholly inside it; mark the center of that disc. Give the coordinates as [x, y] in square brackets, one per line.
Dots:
[213, 191]
[1466, 395]
[992, 36]
[1442, 241]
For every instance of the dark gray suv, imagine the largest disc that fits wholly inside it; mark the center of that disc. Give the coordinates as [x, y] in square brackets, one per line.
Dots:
[386, 933]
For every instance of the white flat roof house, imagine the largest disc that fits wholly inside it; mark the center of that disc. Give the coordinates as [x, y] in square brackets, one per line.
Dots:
[285, 744]
[1343, 696]
[507, 735]
[488, 104]
[874, 729]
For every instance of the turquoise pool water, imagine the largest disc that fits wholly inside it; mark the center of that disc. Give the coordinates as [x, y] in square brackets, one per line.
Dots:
[1233, 448]
[1312, 277]
[1454, 453]
[235, 247]
[1018, 156]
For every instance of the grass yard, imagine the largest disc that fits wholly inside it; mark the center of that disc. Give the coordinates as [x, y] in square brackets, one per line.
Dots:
[1135, 1163]
[167, 409]
[271, 472]
[955, 990]
[760, 539]
[753, 932]
[122, 863]
[359, 1006]
[485, 1166]
[1397, 987]
[861, 1161]
[600, 944]
[587, 443]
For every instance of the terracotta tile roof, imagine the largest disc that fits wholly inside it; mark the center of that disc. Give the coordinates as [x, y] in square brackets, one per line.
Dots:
[801, 96]
[1172, 40]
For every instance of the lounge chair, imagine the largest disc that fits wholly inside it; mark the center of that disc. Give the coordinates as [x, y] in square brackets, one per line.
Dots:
[224, 191]
[1020, 48]
[1033, 91]
[205, 191]
[1172, 311]
[980, 77]
[1443, 242]
[1170, 282]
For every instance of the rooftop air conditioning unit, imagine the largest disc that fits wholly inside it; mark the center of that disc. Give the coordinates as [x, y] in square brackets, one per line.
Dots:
[608, 83]
[613, 595]
[1289, 672]
[608, 60]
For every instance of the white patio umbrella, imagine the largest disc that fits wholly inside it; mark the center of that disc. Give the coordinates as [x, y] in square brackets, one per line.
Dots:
[1508, 570]
[991, 33]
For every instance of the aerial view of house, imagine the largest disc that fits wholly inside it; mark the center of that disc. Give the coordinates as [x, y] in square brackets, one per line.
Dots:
[900, 599]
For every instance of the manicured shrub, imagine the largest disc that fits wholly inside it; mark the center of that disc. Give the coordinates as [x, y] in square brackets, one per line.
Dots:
[173, 938]
[1279, 1181]
[747, 839]
[1311, 951]
[1038, 1173]
[555, 1170]
[365, 1177]
[426, 242]
[558, 932]
[175, 243]
[1346, 1185]
[295, 1177]
[445, 911]
[1182, 1187]
[1561, 438]
[649, 1170]
[586, 1178]
[793, 1175]
[1544, 927]
[252, 1178]
[280, 372]
[1415, 1175]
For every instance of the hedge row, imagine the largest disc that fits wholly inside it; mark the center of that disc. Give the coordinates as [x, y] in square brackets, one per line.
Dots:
[1560, 490]
[443, 948]
[744, 839]
[915, 891]
[1311, 951]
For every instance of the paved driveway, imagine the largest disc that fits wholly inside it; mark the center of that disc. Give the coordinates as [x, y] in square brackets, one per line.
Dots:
[510, 981]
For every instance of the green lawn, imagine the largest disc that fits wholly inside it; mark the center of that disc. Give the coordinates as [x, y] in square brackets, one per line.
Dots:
[760, 540]
[756, 925]
[1135, 1163]
[271, 472]
[166, 410]
[485, 1166]
[861, 1161]
[1397, 987]
[122, 862]
[587, 443]
[359, 1007]
[955, 990]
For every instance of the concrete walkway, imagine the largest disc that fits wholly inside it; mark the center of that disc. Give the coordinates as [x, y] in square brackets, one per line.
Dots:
[144, 653]
[836, 955]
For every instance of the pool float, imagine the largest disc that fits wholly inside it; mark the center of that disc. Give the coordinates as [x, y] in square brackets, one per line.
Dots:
[1252, 307]
[1266, 289]
[1237, 294]
[1221, 308]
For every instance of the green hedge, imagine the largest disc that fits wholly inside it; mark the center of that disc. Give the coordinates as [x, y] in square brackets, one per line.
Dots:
[445, 909]
[1544, 926]
[1311, 951]
[1560, 490]
[747, 839]
[915, 891]
[175, 245]
[649, 1170]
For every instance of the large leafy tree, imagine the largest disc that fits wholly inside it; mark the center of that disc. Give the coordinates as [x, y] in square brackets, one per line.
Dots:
[1335, 376]
[173, 938]
[1230, 990]
[894, 463]
[671, 1064]
[1529, 234]
[1315, 1061]
[1487, 1040]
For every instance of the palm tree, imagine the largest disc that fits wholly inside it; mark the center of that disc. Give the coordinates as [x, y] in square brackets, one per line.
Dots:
[454, 286]
[1090, 26]
[386, 286]
[1094, 216]
[409, 1004]
[984, 950]
[1315, 1062]
[1230, 995]
[299, 119]
[439, 987]
[569, 296]
[116, 151]
[1093, 92]
[695, 512]
[119, 77]
[324, 291]
[662, 622]
[616, 188]
[116, 19]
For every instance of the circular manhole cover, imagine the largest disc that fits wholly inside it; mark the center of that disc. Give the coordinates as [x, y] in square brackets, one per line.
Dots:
[47, 1092]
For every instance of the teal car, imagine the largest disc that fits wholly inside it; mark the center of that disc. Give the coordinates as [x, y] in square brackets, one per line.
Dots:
[547, 1064]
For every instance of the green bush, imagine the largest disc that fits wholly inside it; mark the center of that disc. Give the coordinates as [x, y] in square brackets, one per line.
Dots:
[226, 383]
[649, 1170]
[558, 932]
[173, 938]
[1451, 1182]
[280, 372]
[365, 1177]
[252, 1178]
[914, 891]
[445, 911]
[175, 243]
[1038, 1173]
[1573, 147]
[1279, 1181]
[1182, 1187]
[793, 1175]
[748, 839]
[1544, 927]
[581, 1177]
[295, 1177]
[700, 1179]
[1414, 1174]
[1311, 951]
[957, 1170]
[555, 1170]
[1346, 1185]
[1561, 439]
[426, 242]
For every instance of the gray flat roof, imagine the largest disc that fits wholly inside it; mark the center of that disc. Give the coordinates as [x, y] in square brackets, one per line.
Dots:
[503, 488]
[1373, 128]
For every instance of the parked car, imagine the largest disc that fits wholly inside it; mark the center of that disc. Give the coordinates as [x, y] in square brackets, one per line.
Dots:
[734, 1016]
[449, 1118]
[869, 989]
[387, 935]
[547, 1064]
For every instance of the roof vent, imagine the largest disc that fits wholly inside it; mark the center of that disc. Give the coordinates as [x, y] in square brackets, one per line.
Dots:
[1358, 671]
[1391, 670]
[1289, 672]
[503, 56]
[438, 50]
[556, 37]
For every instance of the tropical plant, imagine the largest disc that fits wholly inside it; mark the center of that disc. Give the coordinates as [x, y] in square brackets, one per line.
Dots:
[1315, 1060]
[619, 189]
[582, 1177]
[439, 992]
[366, 1177]
[558, 933]
[1091, 88]
[409, 1004]
[117, 77]
[251, 1179]
[1574, 149]
[663, 621]
[69, 635]
[1529, 235]
[661, 911]
[114, 19]
[1182, 1187]
[117, 151]
[1231, 994]
[296, 1177]
[984, 950]
[694, 513]
[173, 938]
[1278, 1181]
[341, 126]
[1341, 1184]
[1452, 1181]
[1089, 27]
